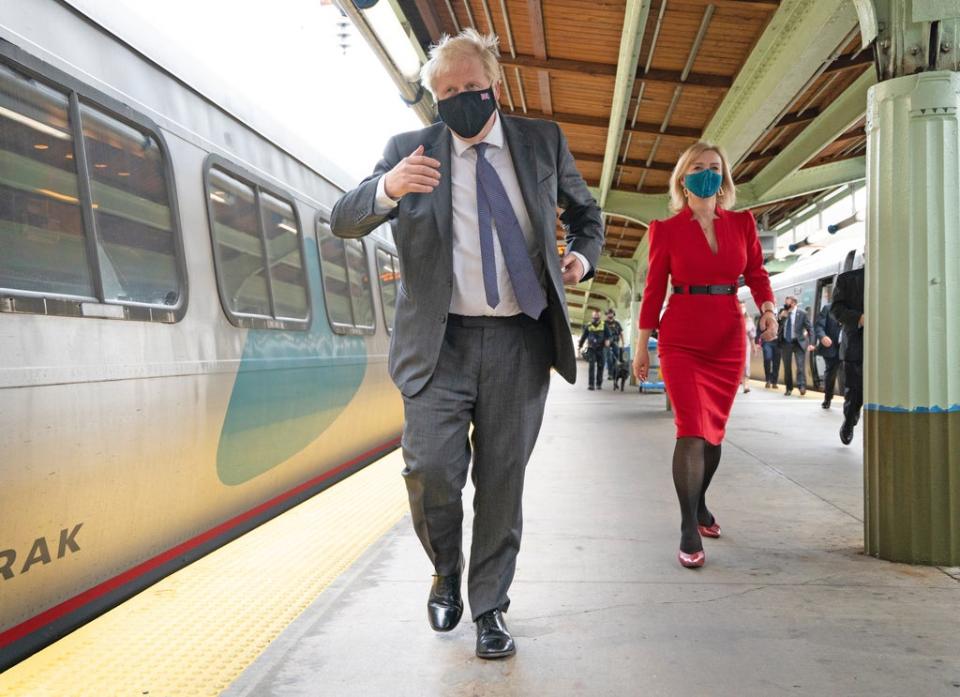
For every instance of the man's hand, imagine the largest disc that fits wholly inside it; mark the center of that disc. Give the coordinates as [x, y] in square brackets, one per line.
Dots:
[826, 341]
[572, 269]
[413, 174]
[811, 348]
[860, 323]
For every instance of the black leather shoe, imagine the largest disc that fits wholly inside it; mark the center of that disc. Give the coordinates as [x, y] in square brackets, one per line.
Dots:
[445, 606]
[493, 637]
[788, 393]
[846, 433]
[825, 404]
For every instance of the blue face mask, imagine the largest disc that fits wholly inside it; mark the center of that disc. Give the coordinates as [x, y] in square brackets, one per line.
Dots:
[703, 184]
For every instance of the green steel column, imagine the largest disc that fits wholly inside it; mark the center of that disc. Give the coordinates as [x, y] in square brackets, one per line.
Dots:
[912, 319]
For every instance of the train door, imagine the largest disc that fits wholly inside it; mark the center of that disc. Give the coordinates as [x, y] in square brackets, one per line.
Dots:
[822, 299]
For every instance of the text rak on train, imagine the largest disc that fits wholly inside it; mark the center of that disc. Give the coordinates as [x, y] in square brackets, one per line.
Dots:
[39, 553]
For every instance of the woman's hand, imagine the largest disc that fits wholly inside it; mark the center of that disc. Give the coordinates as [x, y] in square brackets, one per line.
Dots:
[641, 364]
[768, 326]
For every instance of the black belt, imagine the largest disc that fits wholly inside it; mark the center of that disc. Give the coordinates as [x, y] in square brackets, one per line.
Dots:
[520, 320]
[705, 290]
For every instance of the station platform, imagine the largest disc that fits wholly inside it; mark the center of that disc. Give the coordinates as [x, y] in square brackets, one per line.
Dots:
[329, 599]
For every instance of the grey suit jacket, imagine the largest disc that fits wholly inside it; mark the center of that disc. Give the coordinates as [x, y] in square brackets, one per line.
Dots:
[423, 233]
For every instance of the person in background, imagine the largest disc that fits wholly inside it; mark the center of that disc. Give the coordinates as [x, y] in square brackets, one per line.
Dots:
[771, 360]
[828, 331]
[751, 336]
[847, 308]
[614, 351]
[596, 337]
[480, 318]
[703, 249]
[797, 339]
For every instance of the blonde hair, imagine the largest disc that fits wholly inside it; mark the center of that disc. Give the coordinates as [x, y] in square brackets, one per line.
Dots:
[467, 44]
[726, 197]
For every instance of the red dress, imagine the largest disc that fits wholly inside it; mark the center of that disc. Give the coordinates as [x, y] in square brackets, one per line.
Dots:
[701, 343]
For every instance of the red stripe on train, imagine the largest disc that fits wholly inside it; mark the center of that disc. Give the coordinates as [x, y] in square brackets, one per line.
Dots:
[78, 601]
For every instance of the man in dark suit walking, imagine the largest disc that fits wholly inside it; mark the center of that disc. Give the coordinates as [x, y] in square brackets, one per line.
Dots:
[847, 308]
[828, 347]
[796, 340]
[480, 316]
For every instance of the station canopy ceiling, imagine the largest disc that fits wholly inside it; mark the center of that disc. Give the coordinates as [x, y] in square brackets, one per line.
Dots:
[780, 85]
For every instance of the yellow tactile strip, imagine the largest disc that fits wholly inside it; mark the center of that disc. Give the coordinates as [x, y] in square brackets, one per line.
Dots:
[195, 631]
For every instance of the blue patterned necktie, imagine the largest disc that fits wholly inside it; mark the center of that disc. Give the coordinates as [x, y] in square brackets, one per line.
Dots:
[492, 201]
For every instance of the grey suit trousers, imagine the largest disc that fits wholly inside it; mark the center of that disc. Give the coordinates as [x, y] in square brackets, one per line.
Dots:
[493, 374]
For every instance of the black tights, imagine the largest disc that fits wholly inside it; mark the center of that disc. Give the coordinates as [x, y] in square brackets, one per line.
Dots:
[694, 463]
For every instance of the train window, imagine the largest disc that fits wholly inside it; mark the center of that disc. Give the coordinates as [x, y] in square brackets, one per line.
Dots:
[131, 204]
[388, 269]
[346, 282]
[87, 211]
[236, 234]
[336, 287]
[41, 223]
[282, 233]
[258, 251]
[361, 290]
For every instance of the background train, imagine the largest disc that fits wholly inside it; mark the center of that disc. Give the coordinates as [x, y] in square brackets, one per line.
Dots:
[186, 349]
[811, 281]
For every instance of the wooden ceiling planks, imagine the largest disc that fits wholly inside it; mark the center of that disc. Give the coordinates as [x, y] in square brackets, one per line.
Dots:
[585, 94]
[586, 31]
[562, 65]
[606, 278]
[623, 236]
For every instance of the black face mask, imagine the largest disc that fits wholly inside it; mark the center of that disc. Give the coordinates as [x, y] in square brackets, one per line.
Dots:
[467, 113]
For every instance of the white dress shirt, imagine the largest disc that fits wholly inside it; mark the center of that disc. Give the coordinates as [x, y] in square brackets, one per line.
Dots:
[469, 297]
[792, 321]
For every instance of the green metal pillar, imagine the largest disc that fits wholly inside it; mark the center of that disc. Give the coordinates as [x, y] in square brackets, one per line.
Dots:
[912, 306]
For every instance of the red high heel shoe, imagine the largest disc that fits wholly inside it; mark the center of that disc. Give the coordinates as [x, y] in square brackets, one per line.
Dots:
[691, 561]
[710, 530]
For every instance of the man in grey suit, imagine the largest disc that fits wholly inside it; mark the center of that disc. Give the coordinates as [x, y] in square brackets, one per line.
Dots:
[480, 315]
[796, 340]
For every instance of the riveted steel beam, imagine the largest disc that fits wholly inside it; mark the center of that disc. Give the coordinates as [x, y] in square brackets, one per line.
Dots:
[837, 118]
[640, 208]
[625, 269]
[801, 37]
[634, 21]
[805, 181]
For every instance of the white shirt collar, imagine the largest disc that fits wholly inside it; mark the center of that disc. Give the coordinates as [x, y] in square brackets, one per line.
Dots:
[494, 138]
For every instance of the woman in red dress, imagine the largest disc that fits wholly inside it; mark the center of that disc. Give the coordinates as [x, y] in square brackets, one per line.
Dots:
[703, 250]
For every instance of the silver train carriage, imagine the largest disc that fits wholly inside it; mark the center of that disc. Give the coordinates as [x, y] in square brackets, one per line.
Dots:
[186, 348]
[811, 282]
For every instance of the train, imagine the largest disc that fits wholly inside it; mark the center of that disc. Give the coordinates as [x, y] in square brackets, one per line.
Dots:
[185, 348]
[810, 280]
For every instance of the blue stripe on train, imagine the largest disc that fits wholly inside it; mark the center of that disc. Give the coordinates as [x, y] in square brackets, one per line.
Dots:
[915, 410]
[289, 388]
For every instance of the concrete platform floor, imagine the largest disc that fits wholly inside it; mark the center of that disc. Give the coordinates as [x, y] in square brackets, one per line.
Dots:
[787, 604]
